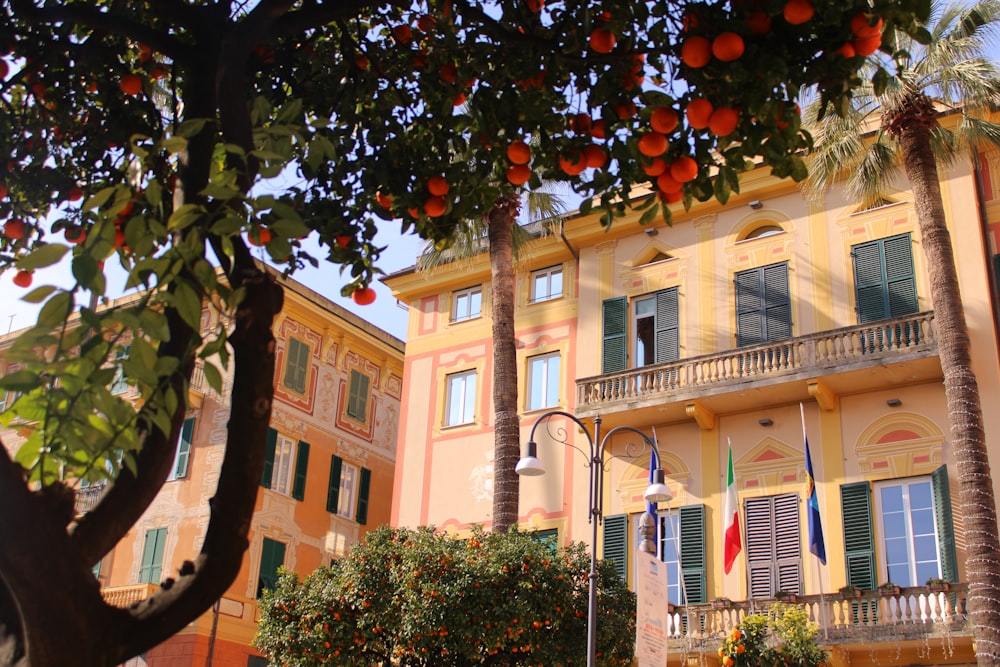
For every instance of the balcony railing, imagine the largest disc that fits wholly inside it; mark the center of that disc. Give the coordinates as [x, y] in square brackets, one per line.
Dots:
[125, 596]
[917, 612]
[87, 497]
[870, 344]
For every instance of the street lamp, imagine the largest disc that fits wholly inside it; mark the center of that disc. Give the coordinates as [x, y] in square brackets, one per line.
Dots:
[656, 492]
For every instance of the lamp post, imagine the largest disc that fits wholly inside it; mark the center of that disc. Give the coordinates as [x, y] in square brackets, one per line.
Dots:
[530, 466]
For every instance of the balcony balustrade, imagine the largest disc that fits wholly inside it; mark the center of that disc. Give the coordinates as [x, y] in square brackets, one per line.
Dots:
[125, 596]
[87, 497]
[890, 341]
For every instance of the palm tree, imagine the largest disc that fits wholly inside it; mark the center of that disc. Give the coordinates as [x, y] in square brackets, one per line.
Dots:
[896, 122]
[503, 237]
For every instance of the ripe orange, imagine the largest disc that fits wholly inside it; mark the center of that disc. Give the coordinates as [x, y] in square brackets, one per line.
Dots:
[862, 27]
[131, 84]
[595, 156]
[698, 113]
[449, 72]
[4, 69]
[847, 50]
[652, 144]
[728, 661]
[696, 51]
[602, 40]
[741, 649]
[363, 296]
[670, 197]
[867, 45]
[723, 121]
[656, 167]
[426, 23]
[624, 110]
[74, 194]
[75, 234]
[728, 46]
[15, 229]
[572, 164]
[437, 185]
[259, 237]
[759, 23]
[663, 120]
[599, 129]
[343, 240]
[519, 152]
[22, 278]
[361, 62]
[518, 174]
[798, 12]
[459, 100]
[684, 169]
[580, 123]
[384, 200]
[434, 207]
[535, 6]
[402, 33]
[667, 183]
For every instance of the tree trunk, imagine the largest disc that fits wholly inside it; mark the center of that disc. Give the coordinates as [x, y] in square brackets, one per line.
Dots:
[978, 506]
[506, 431]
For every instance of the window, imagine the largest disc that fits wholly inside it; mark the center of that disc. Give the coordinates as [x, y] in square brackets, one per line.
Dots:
[256, 661]
[543, 381]
[884, 281]
[681, 537]
[348, 491]
[616, 543]
[548, 537]
[278, 474]
[911, 522]
[764, 231]
[272, 556]
[773, 545]
[357, 396]
[763, 305]
[656, 325]
[546, 284]
[467, 304]
[460, 401]
[151, 565]
[183, 454]
[119, 385]
[297, 360]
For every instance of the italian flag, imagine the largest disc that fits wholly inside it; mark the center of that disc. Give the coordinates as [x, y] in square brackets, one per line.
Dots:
[732, 516]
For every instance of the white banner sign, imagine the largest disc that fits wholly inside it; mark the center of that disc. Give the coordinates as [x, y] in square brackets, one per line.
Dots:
[651, 611]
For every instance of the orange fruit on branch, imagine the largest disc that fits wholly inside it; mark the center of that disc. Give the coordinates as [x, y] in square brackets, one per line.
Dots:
[602, 40]
[438, 185]
[599, 129]
[728, 46]
[696, 51]
[572, 164]
[667, 183]
[595, 156]
[363, 296]
[23, 278]
[435, 206]
[663, 120]
[653, 144]
[402, 33]
[759, 23]
[847, 50]
[656, 167]
[624, 110]
[684, 169]
[519, 152]
[580, 123]
[535, 6]
[384, 200]
[15, 229]
[518, 174]
[699, 112]
[131, 84]
[867, 45]
[861, 26]
[797, 12]
[723, 121]
[449, 72]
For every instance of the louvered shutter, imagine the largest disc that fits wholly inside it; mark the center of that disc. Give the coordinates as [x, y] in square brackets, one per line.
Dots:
[901, 284]
[296, 365]
[777, 302]
[884, 280]
[333, 490]
[272, 557]
[945, 524]
[364, 488]
[693, 556]
[357, 396]
[301, 471]
[787, 544]
[869, 286]
[613, 347]
[616, 543]
[151, 565]
[859, 535]
[184, 448]
[269, 447]
[749, 324]
[667, 326]
[759, 516]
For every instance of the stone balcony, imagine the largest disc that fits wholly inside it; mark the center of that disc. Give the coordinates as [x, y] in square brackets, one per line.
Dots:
[884, 354]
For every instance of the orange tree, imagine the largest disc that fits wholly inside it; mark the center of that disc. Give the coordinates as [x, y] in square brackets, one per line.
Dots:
[416, 597]
[782, 636]
[145, 134]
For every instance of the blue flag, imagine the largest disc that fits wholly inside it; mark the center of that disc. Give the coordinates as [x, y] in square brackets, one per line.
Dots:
[652, 508]
[816, 544]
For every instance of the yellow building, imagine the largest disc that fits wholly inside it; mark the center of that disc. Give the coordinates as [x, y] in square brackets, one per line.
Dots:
[715, 330]
[327, 481]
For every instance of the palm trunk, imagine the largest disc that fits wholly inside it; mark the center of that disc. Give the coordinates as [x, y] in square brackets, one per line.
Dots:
[506, 432]
[976, 496]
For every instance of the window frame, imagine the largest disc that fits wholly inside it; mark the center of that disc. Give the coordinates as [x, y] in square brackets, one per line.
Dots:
[907, 511]
[756, 300]
[770, 564]
[548, 274]
[358, 396]
[182, 457]
[894, 292]
[286, 460]
[119, 383]
[467, 296]
[546, 391]
[665, 332]
[297, 365]
[467, 403]
[151, 567]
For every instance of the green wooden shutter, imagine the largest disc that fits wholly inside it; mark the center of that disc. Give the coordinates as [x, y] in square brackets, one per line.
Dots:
[749, 299]
[301, 471]
[884, 280]
[364, 487]
[901, 282]
[667, 334]
[269, 447]
[869, 286]
[777, 302]
[859, 535]
[272, 557]
[357, 396]
[151, 565]
[616, 543]
[787, 543]
[693, 553]
[296, 365]
[333, 490]
[945, 524]
[613, 347]
[184, 448]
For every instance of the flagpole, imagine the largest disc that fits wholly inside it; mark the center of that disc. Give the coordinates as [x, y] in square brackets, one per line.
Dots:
[819, 570]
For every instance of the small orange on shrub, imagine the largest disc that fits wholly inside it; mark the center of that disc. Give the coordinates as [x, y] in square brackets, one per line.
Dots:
[438, 185]
[572, 164]
[759, 23]
[434, 206]
[698, 113]
[131, 84]
[602, 40]
[684, 169]
[652, 144]
[728, 46]
[867, 45]
[798, 12]
[519, 153]
[595, 156]
[723, 121]
[518, 174]
[696, 51]
[663, 120]
[656, 167]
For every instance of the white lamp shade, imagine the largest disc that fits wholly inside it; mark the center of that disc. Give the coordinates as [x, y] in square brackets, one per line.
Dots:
[657, 492]
[529, 466]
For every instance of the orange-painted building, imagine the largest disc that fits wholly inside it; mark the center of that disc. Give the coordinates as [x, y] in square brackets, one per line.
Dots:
[713, 331]
[327, 480]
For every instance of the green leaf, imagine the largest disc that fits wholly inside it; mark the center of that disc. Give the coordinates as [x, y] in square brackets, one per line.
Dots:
[189, 128]
[21, 381]
[185, 216]
[43, 255]
[56, 310]
[188, 304]
[39, 294]
[649, 215]
[88, 273]
[214, 377]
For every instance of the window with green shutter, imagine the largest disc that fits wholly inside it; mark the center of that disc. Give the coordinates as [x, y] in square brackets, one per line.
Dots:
[657, 330]
[616, 543]
[272, 557]
[548, 537]
[763, 305]
[364, 487]
[884, 281]
[693, 552]
[333, 488]
[357, 396]
[773, 545]
[269, 449]
[348, 490]
[119, 385]
[297, 359]
[183, 450]
[859, 534]
[613, 346]
[301, 471]
[945, 525]
[151, 563]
